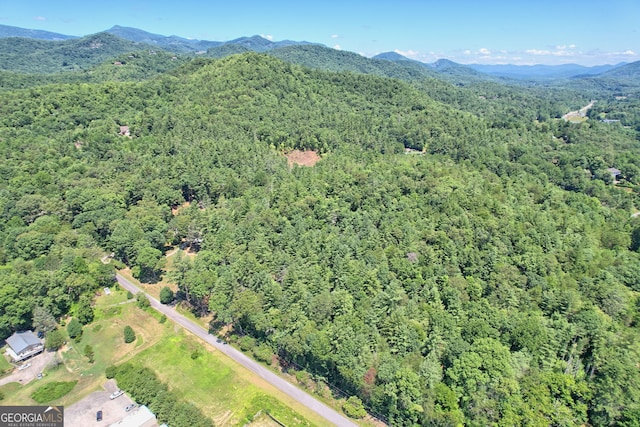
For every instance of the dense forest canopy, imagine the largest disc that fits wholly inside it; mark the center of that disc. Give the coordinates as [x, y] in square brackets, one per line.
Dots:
[459, 255]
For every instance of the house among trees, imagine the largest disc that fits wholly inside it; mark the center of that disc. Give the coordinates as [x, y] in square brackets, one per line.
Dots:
[124, 131]
[23, 345]
[614, 173]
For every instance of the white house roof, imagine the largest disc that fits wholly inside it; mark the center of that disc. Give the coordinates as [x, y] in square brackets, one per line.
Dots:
[140, 417]
[21, 341]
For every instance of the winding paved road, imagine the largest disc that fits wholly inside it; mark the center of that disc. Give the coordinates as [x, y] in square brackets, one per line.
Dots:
[307, 400]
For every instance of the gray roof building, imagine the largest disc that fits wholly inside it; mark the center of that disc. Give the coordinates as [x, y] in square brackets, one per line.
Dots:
[23, 345]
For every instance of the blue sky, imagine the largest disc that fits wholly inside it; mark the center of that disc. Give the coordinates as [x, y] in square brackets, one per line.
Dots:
[586, 32]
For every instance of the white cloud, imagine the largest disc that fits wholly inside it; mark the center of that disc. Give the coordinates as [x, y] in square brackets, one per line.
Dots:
[337, 47]
[334, 36]
[538, 52]
[560, 50]
[267, 36]
[551, 55]
[408, 53]
[39, 18]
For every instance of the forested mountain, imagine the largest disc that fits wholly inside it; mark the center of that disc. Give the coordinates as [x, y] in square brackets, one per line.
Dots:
[628, 71]
[327, 59]
[457, 256]
[178, 44]
[622, 81]
[44, 56]
[448, 70]
[171, 43]
[9, 31]
[226, 50]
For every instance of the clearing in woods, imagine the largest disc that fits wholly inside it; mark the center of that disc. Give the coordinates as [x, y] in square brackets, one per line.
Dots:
[302, 158]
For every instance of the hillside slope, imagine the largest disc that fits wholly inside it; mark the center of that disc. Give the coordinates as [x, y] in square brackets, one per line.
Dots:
[486, 276]
[43, 57]
[9, 31]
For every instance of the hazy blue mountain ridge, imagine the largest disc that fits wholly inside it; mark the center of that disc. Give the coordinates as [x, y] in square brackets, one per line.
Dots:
[9, 31]
[541, 70]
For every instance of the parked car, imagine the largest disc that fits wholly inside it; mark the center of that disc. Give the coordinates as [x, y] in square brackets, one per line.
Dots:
[116, 393]
[25, 366]
[99, 416]
[130, 407]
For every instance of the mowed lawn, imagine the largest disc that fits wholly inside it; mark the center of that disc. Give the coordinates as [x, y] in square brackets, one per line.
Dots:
[230, 394]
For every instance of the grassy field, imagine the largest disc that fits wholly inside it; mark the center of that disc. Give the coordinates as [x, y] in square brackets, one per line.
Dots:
[224, 390]
[5, 366]
[215, 383]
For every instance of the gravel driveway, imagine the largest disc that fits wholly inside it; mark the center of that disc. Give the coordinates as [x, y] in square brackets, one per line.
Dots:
[38, 363]
[83, 413]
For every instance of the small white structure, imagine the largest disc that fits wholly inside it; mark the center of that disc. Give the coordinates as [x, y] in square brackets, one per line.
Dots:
[140, 417]
[23, 345]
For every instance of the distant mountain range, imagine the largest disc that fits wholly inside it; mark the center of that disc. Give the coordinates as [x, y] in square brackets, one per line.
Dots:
[170, 43]
[179, 44]
[8, 31]
[542, 71]
[520, 72]
[29, 53]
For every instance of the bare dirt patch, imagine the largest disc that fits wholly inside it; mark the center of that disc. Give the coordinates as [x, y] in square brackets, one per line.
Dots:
[263, 420]
[302, 158]
[175, 210]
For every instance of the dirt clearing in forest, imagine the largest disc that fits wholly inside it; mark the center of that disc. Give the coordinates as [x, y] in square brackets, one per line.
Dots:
[302, 158]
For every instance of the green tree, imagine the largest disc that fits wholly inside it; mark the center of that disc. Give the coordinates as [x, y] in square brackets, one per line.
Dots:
[635, 239]
[129, 334]
[630, 418]
[43, 320]
[353, 407]
[85, 312]
[53, 340]
[166, 295]
[142, 300]
[150, 261]
[74, 329]
[88, 352]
